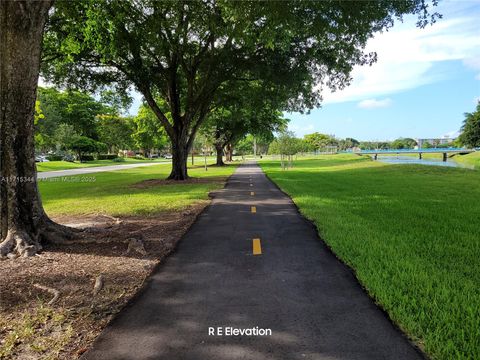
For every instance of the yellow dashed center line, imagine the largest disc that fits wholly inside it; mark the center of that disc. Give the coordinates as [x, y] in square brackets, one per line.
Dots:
[254, 209]
[257, 247]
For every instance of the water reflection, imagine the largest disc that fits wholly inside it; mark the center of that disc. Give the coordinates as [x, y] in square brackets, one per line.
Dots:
[411, 160]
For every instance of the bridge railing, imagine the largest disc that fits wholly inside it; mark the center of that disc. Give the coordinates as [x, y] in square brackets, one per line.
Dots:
[429, 150]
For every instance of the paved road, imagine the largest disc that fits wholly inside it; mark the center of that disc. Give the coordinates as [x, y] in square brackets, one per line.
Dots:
[296, 288]
[91, 170]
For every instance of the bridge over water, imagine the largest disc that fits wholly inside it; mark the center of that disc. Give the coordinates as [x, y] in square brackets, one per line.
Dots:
[444, 151]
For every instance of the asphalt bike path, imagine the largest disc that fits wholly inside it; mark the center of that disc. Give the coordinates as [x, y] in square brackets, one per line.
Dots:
[252, 264]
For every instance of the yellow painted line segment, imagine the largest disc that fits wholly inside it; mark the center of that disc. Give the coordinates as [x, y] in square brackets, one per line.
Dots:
[254, 209]
[257, 247]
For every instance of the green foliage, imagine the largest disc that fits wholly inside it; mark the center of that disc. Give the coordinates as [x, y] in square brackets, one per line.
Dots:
[403, 143]
[74, 108]
[348, 143]
[82, 145]
[288, 144]
[107, 156]
[245, 108]
[148, 133]
[244, 146]
[317, 141]
[64, 135]
[179, 54]
[115, 132]
[470, 136]
[38, 113]
[54, 157]
[410, 232]
[374, 145]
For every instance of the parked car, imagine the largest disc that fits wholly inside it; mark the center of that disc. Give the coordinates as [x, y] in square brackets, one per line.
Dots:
[41, 158]
[69, 158]
[168, 156]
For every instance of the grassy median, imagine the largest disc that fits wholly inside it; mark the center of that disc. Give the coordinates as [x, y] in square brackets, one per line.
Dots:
[410, 232]
[69, 165]
[139, 191]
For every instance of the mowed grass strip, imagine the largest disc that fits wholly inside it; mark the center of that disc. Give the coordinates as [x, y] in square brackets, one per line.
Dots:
[116, 192]
[67, 165]
[472, 159]
[411, 233]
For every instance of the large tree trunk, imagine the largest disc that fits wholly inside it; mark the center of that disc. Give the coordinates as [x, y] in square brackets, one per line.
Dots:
[24, 223]
[219, 149]
[179, 158]
[229, 152]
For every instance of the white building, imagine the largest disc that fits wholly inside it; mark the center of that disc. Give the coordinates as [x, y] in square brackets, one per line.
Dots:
[434, 141]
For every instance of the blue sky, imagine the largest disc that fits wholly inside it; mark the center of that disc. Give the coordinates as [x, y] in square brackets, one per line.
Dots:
[420, 87]
[423, 82]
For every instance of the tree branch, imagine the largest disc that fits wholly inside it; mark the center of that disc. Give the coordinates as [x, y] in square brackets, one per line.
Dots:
[158, 112]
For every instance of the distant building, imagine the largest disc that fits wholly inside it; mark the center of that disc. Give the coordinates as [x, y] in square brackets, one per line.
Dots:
[434, 141]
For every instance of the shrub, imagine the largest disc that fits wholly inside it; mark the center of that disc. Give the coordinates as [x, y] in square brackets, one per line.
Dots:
[107, 156]
[55, 157]
[87, 158]
[118, 159]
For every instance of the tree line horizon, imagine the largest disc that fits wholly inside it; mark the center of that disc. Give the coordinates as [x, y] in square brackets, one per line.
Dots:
[227, 64]
[75, 122]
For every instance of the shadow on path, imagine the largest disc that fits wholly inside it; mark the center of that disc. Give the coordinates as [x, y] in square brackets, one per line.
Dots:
[297, 288]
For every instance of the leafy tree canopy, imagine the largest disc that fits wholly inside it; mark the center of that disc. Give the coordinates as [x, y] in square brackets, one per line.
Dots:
[471, 128]
[115, 131]
[317, 140]
[74, 108]
[183, 52]
[148, 132]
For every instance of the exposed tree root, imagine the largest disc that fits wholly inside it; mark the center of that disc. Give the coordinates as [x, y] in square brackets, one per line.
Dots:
[116, 221]
[54, 292]
[136, 245]
[19, 242]
[99, 282]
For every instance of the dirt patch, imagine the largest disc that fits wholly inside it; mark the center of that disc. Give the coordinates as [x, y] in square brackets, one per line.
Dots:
[32, 329]
[158, 182]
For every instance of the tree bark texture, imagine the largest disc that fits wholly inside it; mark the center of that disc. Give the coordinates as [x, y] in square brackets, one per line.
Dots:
[219, 150]
[180, 150]
[22, 218]
[229, 152]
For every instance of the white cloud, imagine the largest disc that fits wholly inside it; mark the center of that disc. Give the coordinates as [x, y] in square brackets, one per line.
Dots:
[407, 54]
[474, 64]
[452, 134]
[301, 130]
[374, 103]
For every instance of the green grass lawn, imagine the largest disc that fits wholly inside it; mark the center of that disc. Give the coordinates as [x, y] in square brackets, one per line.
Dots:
[411, 233]
[472, 159]
[113, 192]
[65, 165]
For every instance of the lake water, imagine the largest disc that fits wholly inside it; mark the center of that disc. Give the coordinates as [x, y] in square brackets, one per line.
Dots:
[412, 160]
